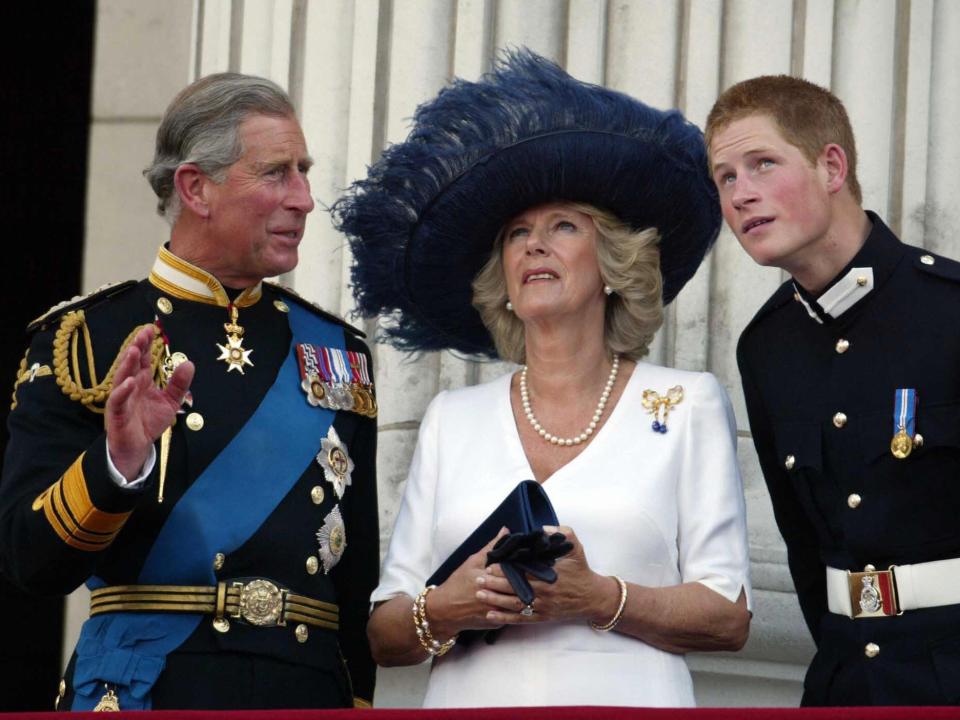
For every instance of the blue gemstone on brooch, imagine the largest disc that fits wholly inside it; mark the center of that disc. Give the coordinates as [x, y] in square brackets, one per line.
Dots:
[659, 406]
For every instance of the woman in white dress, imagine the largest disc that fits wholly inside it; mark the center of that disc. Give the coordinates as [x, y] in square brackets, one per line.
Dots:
[639, 461]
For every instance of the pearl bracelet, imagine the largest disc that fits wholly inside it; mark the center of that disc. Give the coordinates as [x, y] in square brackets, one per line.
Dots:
[426, 638]
[607, 627]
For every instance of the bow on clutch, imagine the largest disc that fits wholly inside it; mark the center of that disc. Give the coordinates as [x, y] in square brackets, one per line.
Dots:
[529, 553]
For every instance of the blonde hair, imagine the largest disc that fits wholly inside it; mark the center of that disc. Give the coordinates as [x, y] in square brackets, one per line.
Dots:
[629, 263]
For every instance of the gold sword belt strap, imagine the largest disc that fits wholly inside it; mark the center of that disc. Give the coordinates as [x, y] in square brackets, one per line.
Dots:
[257, 602]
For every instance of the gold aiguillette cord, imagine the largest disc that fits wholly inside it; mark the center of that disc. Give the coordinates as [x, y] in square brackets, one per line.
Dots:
[164, 455]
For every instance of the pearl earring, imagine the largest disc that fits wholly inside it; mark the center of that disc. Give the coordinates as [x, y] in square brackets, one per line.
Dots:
[509, 306]
[607, 290]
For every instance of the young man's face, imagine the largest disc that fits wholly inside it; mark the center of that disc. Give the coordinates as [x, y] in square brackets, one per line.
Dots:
[774, 200]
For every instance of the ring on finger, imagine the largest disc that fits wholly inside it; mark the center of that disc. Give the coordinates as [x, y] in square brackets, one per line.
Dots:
[527, 610]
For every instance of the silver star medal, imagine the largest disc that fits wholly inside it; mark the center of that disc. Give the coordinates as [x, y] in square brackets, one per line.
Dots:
[335, 461]
[316, 393]
[332, 538]
[340, 377]
[311, 383]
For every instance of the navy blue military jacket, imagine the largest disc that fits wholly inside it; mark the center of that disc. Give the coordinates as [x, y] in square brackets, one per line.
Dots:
[820, 398]
[46, 548]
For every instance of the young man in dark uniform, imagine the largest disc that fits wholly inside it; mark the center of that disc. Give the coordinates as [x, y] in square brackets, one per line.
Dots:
[850, 372]
[199, 447]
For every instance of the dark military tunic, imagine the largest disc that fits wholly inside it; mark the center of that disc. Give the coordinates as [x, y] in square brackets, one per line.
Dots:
[820, 397]
[53, 542]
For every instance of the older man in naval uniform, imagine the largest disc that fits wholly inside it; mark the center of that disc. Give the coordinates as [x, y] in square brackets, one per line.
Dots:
[851, 373]
[198, 447]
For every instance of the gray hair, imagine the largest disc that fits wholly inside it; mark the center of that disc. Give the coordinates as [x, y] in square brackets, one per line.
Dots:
[201, 126]
[629, 263]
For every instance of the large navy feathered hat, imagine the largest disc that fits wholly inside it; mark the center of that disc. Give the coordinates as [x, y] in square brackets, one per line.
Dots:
[423, 222]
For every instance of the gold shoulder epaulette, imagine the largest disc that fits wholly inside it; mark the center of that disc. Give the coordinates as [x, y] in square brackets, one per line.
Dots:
[79, 301]
[313, 307]
[67, 367]
[27, 374]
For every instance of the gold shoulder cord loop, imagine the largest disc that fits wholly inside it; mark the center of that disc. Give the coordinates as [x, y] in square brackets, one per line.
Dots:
[66, 363]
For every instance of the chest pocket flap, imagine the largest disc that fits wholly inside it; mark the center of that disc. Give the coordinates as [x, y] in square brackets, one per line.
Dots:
[939, 425]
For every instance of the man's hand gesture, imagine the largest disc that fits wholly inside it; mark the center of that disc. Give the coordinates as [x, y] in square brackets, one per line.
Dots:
[138, 411]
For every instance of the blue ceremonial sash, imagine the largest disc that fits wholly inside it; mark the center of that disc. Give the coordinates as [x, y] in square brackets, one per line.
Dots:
[223, 507]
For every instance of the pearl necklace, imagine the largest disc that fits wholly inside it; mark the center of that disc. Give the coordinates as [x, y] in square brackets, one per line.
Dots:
[588, 431]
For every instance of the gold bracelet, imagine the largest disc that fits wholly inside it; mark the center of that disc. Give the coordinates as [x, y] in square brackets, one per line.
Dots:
[426, 638]
[607, 627]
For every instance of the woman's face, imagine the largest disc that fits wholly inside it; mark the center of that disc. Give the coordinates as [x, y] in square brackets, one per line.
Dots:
[550, 263]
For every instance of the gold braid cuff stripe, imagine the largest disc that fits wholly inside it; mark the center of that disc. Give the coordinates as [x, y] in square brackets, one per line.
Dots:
[71, 513]
[224, 599]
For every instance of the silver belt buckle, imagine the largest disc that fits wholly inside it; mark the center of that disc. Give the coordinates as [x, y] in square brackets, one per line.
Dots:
[261, 603]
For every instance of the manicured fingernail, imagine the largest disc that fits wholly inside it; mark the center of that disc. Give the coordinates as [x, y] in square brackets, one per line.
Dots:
[481, 595]
[481, 579]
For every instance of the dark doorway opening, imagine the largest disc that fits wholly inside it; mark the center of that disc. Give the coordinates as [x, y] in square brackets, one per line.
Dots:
[46, 88]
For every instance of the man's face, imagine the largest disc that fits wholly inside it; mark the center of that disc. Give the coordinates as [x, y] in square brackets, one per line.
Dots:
[257, 214]
[774, 200]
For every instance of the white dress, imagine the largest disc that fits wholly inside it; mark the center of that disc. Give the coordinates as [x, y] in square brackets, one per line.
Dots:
[656, 509]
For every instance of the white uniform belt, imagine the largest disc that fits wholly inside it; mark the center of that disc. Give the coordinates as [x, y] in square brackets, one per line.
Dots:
[882, 593]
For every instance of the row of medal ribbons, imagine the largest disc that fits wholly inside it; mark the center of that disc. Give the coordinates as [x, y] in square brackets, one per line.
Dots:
[336, 379]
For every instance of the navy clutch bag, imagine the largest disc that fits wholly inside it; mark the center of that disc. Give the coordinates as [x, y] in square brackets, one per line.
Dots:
[527, 549]
[526, 509]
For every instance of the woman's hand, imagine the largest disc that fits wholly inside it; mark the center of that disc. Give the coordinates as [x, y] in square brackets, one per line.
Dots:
[677, 618]
[579, 594]
[455, 605]
[451, 607]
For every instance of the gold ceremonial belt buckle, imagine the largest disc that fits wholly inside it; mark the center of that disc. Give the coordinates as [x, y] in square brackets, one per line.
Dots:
[261, 603]
[873, 593]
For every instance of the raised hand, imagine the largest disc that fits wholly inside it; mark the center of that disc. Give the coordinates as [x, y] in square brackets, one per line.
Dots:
[137, 411]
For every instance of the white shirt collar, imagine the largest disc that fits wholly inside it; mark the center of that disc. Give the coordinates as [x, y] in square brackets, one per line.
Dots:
[845, 293]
